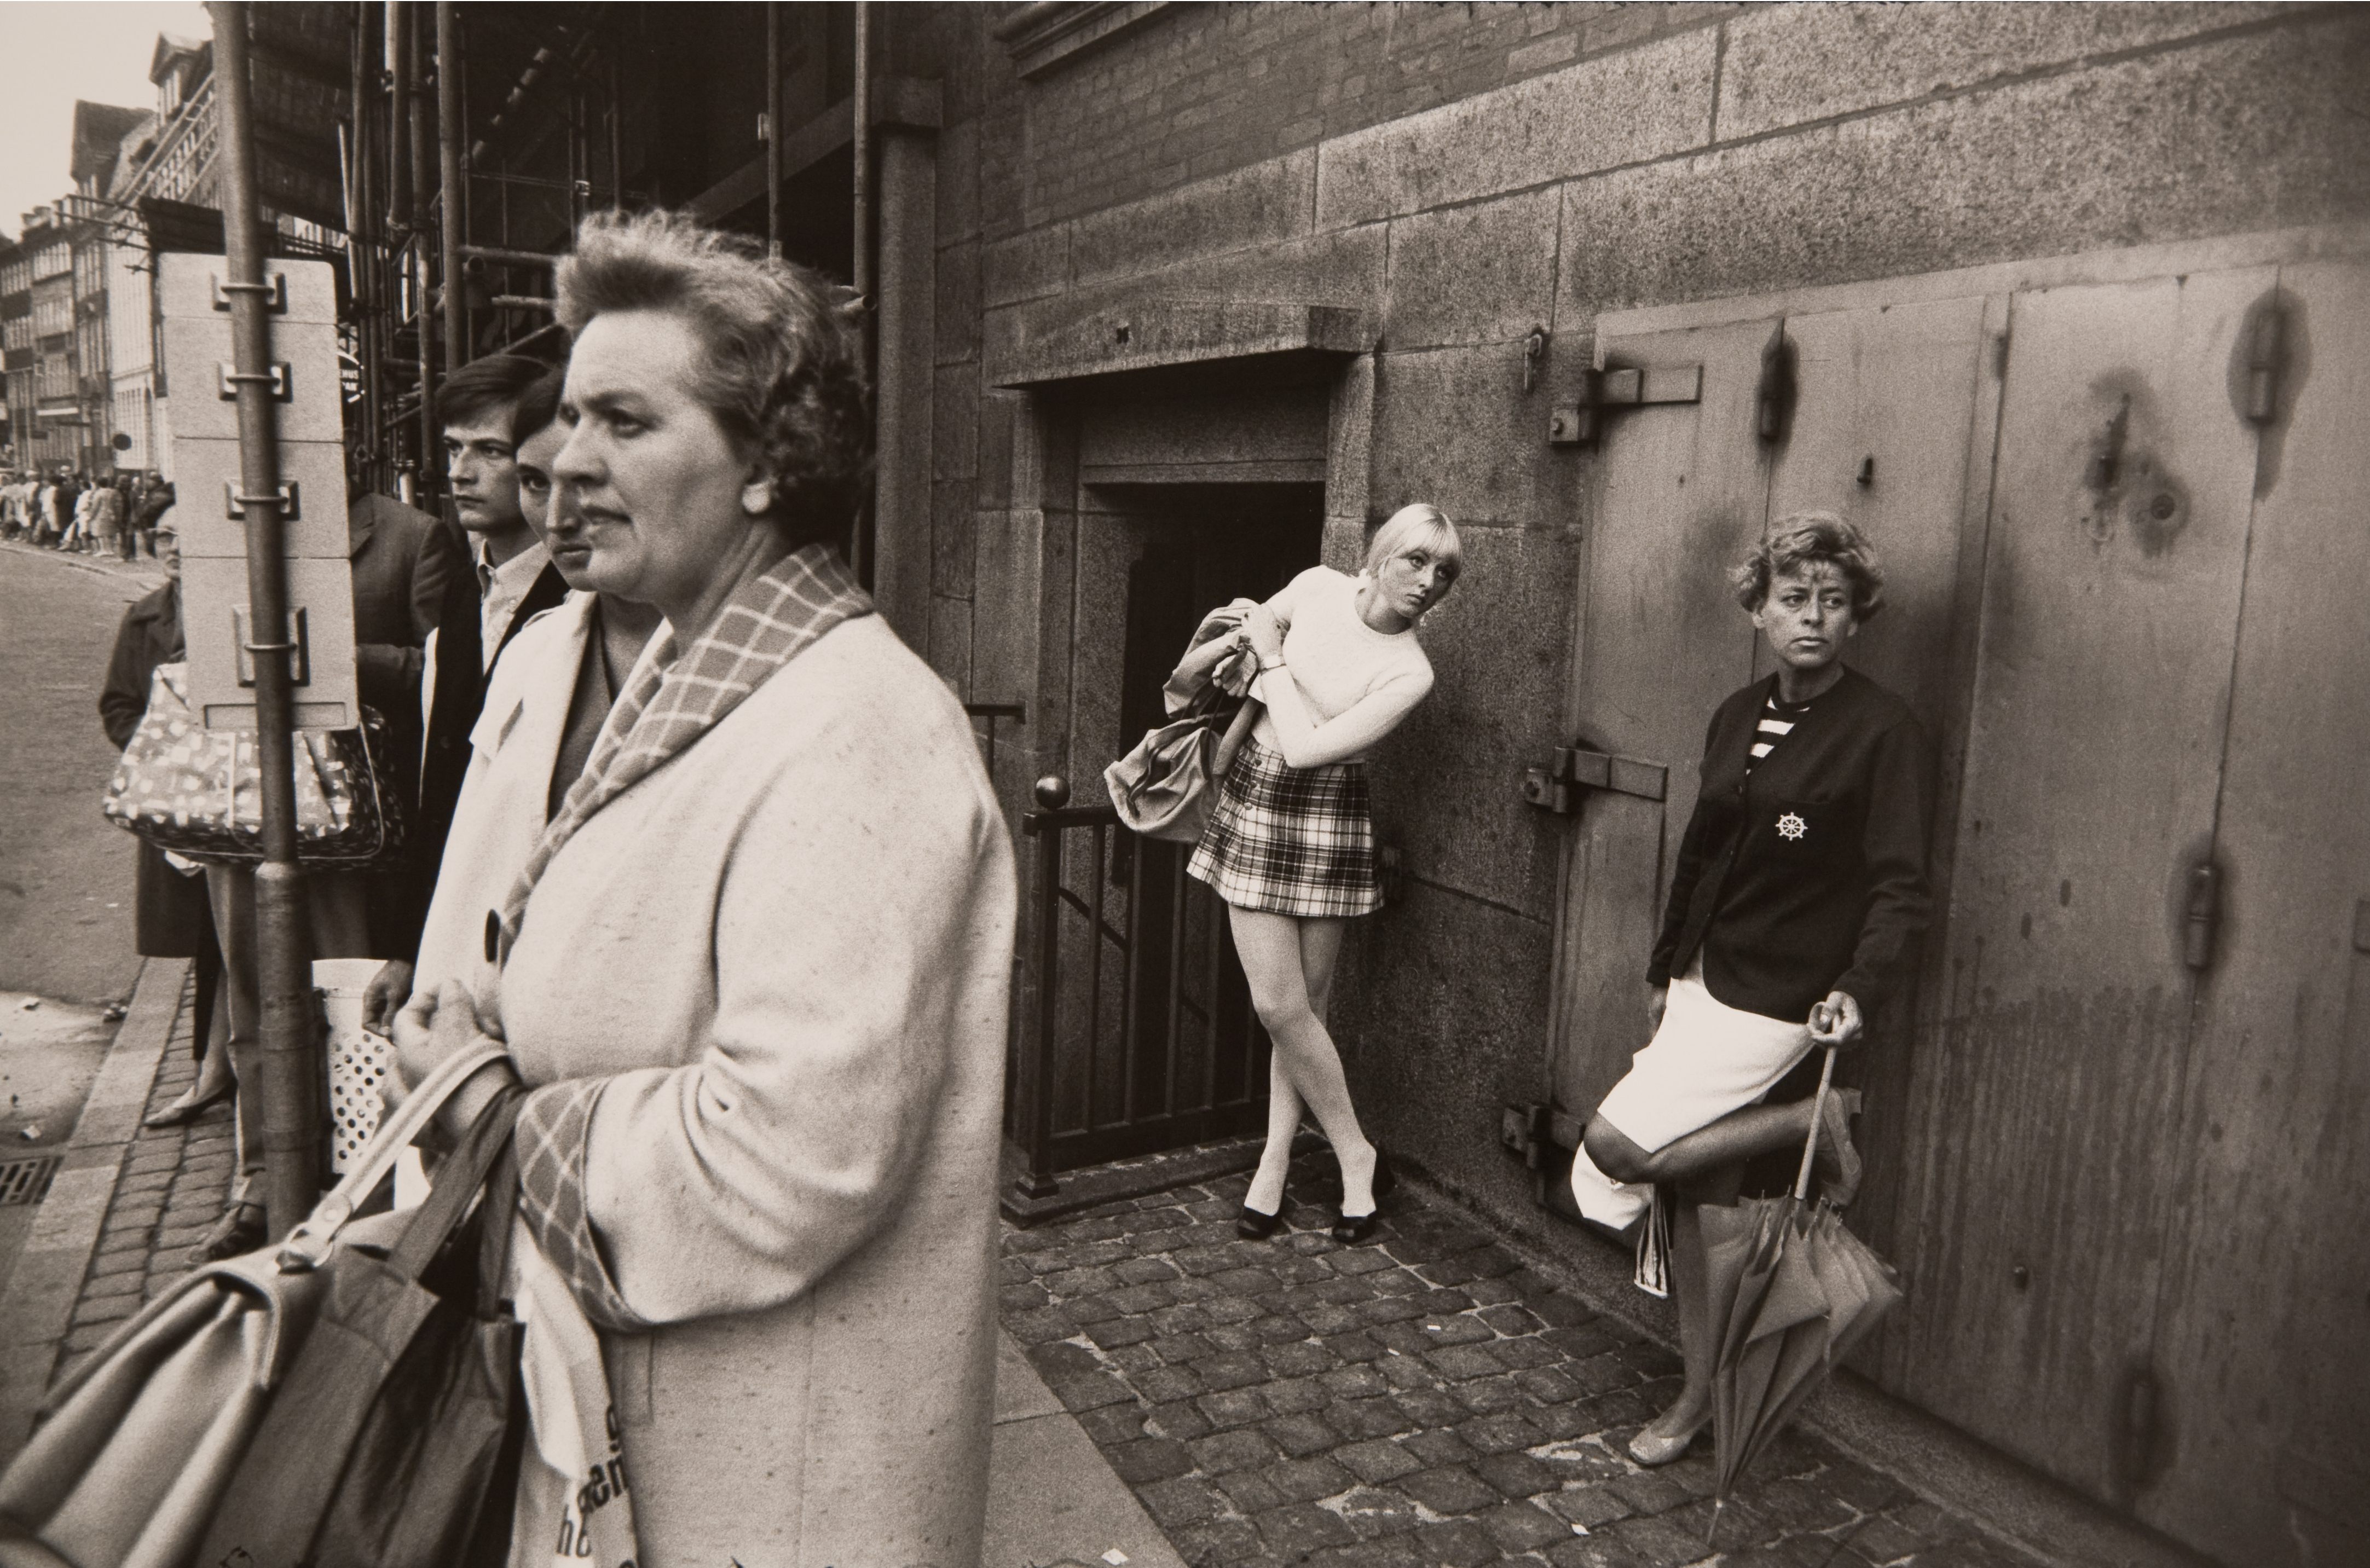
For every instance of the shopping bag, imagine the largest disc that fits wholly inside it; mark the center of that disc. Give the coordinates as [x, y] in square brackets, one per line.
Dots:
[200, 793]
[136, 1448]
[384, 1442]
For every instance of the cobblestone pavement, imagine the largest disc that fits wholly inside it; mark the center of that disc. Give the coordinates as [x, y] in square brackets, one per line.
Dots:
[1423, 1399]
[174, 1185]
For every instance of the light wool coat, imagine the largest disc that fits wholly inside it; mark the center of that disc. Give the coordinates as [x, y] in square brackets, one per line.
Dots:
[788, 952]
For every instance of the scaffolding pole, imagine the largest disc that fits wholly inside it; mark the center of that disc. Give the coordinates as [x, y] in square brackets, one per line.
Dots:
[292, 1090]
[449, 203]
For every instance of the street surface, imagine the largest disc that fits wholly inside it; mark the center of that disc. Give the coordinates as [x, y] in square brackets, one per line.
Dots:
[65, 874]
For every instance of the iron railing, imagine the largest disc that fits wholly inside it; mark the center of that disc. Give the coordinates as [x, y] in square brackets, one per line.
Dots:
[1137, 1032]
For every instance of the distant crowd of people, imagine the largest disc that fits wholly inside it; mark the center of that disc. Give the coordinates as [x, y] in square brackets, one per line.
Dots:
[66, 511]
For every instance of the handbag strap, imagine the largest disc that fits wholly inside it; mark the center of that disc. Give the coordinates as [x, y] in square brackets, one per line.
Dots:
[456, 1184]
[495, 1226]
[1239, 731]
[309, 1243]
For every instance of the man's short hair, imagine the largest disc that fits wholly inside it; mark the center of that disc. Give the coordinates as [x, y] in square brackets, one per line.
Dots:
[537, 405]
[485, 387]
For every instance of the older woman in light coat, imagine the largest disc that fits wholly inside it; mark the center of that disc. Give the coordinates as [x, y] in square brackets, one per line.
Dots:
[755, 973]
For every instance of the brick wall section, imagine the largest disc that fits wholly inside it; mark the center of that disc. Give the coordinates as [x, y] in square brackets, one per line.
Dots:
[1214, 87]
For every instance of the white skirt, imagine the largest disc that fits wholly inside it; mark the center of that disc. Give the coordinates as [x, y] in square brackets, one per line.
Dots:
[1707, 1060]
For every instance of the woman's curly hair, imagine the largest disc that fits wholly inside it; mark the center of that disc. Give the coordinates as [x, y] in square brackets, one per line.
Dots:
[784, 367]
[1807, 536]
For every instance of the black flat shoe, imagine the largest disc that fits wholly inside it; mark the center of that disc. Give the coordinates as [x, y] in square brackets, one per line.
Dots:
[1253, 1226]
[1351, 1229]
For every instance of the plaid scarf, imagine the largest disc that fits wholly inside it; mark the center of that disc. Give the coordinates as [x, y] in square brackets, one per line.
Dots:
[669, 702]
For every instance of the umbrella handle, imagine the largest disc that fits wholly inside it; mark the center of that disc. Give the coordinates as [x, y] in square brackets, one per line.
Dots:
[1818, 1120]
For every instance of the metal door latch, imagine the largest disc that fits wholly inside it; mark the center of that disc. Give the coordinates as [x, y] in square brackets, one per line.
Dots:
[1605, 391]
[1561, 786]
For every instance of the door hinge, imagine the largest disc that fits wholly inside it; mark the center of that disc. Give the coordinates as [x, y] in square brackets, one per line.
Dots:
[1561, 785]
[2204, 914]
[1605, 392]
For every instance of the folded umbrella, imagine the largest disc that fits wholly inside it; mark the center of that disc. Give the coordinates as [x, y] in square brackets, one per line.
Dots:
[1792, 1293]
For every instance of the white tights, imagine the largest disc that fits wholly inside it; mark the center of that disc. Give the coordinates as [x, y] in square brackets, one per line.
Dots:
[1288, 962]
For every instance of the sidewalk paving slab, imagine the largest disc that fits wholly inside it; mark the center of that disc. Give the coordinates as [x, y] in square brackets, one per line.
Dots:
[1052, 1497]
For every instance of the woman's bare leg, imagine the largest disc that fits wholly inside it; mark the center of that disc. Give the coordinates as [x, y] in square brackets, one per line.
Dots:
[1691, 1293]
[1283, 1126]
[1275, 960]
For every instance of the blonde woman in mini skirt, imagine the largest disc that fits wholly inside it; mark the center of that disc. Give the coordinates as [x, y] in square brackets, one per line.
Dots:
[1290, 846]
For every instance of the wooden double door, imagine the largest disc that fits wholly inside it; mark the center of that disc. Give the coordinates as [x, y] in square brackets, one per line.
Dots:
[2121, 1146]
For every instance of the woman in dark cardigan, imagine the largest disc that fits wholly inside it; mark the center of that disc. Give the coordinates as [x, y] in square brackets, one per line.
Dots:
[1798, 898]
[170, 916]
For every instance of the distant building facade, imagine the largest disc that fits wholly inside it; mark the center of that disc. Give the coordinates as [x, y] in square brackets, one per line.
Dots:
[16, 350]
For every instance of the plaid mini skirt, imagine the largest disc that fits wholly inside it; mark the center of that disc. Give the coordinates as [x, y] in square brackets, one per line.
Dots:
[1289, 840]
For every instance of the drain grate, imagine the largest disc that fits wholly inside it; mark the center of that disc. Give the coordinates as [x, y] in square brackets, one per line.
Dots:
[27, 1181]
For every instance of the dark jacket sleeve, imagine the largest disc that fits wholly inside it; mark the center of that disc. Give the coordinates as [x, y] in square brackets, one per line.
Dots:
[124, 697]
[442, 559]
[1900, 900]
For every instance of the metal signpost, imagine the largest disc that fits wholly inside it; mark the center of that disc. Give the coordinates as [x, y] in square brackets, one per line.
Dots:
[268, 652]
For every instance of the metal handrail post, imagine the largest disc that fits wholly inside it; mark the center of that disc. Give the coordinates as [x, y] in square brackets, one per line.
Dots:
[292, 1090]
[1038, 1181]
[423, 311]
